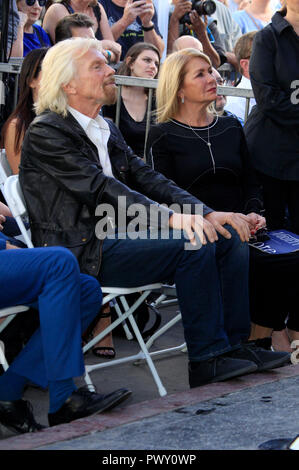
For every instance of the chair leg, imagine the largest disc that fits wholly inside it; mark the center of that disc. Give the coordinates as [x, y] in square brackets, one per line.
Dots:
[124, 325]
[161, 388]
[3, 361]
[143, 354]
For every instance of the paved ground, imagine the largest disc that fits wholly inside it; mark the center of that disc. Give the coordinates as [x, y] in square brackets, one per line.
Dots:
[237, 414]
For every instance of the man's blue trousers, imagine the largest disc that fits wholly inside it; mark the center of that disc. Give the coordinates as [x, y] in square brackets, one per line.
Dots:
[67, 302]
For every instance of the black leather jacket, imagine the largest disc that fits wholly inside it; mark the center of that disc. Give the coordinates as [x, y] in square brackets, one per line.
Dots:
[63, 184]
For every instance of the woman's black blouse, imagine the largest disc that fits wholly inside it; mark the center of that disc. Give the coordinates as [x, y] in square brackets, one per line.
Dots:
[133, 131]
[223, 180]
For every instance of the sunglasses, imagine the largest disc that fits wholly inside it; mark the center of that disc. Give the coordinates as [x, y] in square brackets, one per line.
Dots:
[30, 3]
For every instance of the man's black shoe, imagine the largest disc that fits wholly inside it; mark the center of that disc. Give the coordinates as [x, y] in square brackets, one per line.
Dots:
[83, 403]
[18, 417]
[217, 369]
[263, 358]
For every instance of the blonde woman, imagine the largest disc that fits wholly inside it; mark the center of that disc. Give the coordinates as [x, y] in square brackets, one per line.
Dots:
[207, 155]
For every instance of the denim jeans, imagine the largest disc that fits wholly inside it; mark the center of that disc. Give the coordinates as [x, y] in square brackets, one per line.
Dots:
[211, 282]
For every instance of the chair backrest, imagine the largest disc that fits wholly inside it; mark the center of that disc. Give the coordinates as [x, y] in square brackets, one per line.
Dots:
[15, 200]
[5, 170]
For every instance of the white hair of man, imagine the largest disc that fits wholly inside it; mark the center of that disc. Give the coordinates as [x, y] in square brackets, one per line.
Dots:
[58, 69]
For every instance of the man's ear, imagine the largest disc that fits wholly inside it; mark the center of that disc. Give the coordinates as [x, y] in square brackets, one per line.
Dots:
[69, 88]
[244, 66]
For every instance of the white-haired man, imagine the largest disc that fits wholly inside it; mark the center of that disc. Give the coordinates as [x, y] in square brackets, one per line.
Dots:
[76, 167]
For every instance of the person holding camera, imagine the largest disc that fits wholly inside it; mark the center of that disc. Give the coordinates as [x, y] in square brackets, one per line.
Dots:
[133, 21]
[191, 18]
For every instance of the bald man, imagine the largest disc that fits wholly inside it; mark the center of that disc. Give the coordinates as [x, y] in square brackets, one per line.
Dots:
[184, 42]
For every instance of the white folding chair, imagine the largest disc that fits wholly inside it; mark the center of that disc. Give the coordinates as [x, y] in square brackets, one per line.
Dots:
[8, 315]
[16, 203]
[144, 354]
[5, 170]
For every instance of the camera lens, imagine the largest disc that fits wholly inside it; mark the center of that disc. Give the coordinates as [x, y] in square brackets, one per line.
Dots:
[207, 7]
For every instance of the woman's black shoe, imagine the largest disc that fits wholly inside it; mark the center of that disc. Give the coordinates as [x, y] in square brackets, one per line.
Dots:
[217, 369]
[83, 403]
[263, 358]
[18, 417]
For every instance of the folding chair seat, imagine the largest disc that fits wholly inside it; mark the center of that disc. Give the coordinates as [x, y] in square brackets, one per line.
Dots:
[15, 201]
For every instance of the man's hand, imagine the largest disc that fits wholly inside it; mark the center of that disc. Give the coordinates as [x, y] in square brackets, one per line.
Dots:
[9, 246]
[2, 220]
[194, 224]
[197, 24]
[240, 222]
[147, 13]
[181, 8]
[113, 47]
[132, 10]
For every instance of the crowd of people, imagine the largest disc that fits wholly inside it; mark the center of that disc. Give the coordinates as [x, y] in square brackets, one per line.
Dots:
[238, 177]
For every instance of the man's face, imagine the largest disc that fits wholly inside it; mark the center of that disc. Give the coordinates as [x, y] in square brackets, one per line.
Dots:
[94, 82]
[220, 101]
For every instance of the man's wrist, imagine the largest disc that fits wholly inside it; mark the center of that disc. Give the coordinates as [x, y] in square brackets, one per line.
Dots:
[148, 26]
[174, 18]
[123, 23]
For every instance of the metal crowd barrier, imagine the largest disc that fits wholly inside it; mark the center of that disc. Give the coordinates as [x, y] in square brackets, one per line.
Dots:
[152, 84]
[14, 67]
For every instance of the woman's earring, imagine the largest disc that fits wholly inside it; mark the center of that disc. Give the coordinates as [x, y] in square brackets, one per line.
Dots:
[183, 100]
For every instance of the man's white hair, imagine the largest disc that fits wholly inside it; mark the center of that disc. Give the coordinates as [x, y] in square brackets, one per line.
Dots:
[58, 69]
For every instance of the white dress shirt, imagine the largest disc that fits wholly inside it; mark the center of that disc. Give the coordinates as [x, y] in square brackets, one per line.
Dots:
[97, 130]
[237, 105]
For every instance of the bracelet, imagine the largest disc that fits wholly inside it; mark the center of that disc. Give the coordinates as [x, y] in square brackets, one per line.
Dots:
[109, 55]
[149, 28]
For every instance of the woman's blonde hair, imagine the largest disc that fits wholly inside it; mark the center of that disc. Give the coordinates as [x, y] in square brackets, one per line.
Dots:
[58, 69]
[171, 79]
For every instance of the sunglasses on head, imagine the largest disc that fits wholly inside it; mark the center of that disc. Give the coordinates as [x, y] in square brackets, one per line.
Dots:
[30, 3]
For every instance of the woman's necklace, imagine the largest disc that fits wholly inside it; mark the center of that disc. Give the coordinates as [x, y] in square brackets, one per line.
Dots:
[207, 142]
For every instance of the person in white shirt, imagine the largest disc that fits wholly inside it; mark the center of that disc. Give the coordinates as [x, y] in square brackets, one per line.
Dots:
[162, 8]
[235, 104]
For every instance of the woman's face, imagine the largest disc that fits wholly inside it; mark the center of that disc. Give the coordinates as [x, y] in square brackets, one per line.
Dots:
[199, 85]
[146, 65]
[33, 13]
